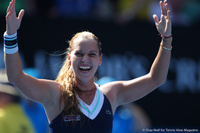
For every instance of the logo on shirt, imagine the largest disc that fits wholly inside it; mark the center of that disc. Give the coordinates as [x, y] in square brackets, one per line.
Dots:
[68, 118]
[108, 112]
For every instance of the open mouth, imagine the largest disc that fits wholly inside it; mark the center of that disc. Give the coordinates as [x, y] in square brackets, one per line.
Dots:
[85, 68]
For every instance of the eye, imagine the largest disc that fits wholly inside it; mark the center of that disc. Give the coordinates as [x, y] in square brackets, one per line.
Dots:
[92, 54]
[79, 54]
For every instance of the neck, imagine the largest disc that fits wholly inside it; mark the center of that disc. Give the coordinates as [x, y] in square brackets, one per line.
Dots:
[85, 86]
[86, 89]
[86, 92]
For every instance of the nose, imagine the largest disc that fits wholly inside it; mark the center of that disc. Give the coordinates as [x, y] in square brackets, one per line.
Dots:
[85, 58]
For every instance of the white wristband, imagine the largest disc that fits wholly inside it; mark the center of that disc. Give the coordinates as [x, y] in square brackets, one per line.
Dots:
[5, 35]
[10, 43]
[11, 50]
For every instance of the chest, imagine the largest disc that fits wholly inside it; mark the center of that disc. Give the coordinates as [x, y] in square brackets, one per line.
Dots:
[86, 121]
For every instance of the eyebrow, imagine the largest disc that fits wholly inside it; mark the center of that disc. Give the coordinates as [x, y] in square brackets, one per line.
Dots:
[92, 51]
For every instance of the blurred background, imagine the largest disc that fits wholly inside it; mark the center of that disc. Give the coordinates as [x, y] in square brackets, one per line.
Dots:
[130, 43]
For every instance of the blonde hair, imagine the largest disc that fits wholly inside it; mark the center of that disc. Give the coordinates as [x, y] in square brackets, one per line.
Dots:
[66, 78]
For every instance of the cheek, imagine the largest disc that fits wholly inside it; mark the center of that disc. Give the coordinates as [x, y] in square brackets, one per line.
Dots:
[74, 59]
[74, 67]
[96, 64]
[74, 63]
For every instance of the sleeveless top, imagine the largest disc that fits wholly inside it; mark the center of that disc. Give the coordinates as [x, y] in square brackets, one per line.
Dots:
[94, 118]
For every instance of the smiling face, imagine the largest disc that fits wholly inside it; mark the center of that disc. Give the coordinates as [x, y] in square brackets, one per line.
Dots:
[84, 58]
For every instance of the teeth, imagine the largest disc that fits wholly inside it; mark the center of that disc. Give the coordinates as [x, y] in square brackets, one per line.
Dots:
[84, 67]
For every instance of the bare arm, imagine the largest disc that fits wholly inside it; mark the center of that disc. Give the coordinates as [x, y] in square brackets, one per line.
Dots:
[36, 89]
[134, 89]
[121, 92]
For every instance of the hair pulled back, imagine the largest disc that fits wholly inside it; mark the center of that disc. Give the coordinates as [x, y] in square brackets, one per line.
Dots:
[66, 78]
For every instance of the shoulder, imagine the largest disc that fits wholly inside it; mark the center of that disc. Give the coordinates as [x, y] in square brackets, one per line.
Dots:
[110, 90]
[49, 93]
[111, 87]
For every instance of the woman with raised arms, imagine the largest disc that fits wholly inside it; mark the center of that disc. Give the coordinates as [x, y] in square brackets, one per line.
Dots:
[74, 102]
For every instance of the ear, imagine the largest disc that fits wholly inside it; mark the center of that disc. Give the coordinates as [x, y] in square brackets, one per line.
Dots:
[101, 56]
[69, 59]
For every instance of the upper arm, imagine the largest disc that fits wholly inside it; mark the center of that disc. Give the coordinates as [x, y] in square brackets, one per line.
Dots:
[121, 92]
[39, 90]
[132, 90]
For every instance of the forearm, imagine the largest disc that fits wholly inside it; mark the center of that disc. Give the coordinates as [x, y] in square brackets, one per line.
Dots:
[161, 63]
[11, 56]
[160, 66]
[13, 66]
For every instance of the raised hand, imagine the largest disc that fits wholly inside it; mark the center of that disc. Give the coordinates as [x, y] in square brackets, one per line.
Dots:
[164, 25]
[12, 21]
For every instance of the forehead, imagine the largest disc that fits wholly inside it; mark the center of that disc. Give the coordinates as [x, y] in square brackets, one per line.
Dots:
[83, 44]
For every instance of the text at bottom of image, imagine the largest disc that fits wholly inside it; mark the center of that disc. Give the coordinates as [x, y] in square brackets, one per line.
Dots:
[170, 130]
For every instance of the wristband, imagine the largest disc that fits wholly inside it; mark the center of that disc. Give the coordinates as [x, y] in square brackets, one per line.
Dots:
[164, 37]
[10, 43]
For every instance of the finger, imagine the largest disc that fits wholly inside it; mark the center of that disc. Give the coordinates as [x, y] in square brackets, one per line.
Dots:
[162, 8]
[166, 7]
[12, 6]
[165, 1]
[168, 11]
[8, 15]
[169, 15]
[169, 24]
[9, 7]
[21, 14]
[155, 17]
[162, 18]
